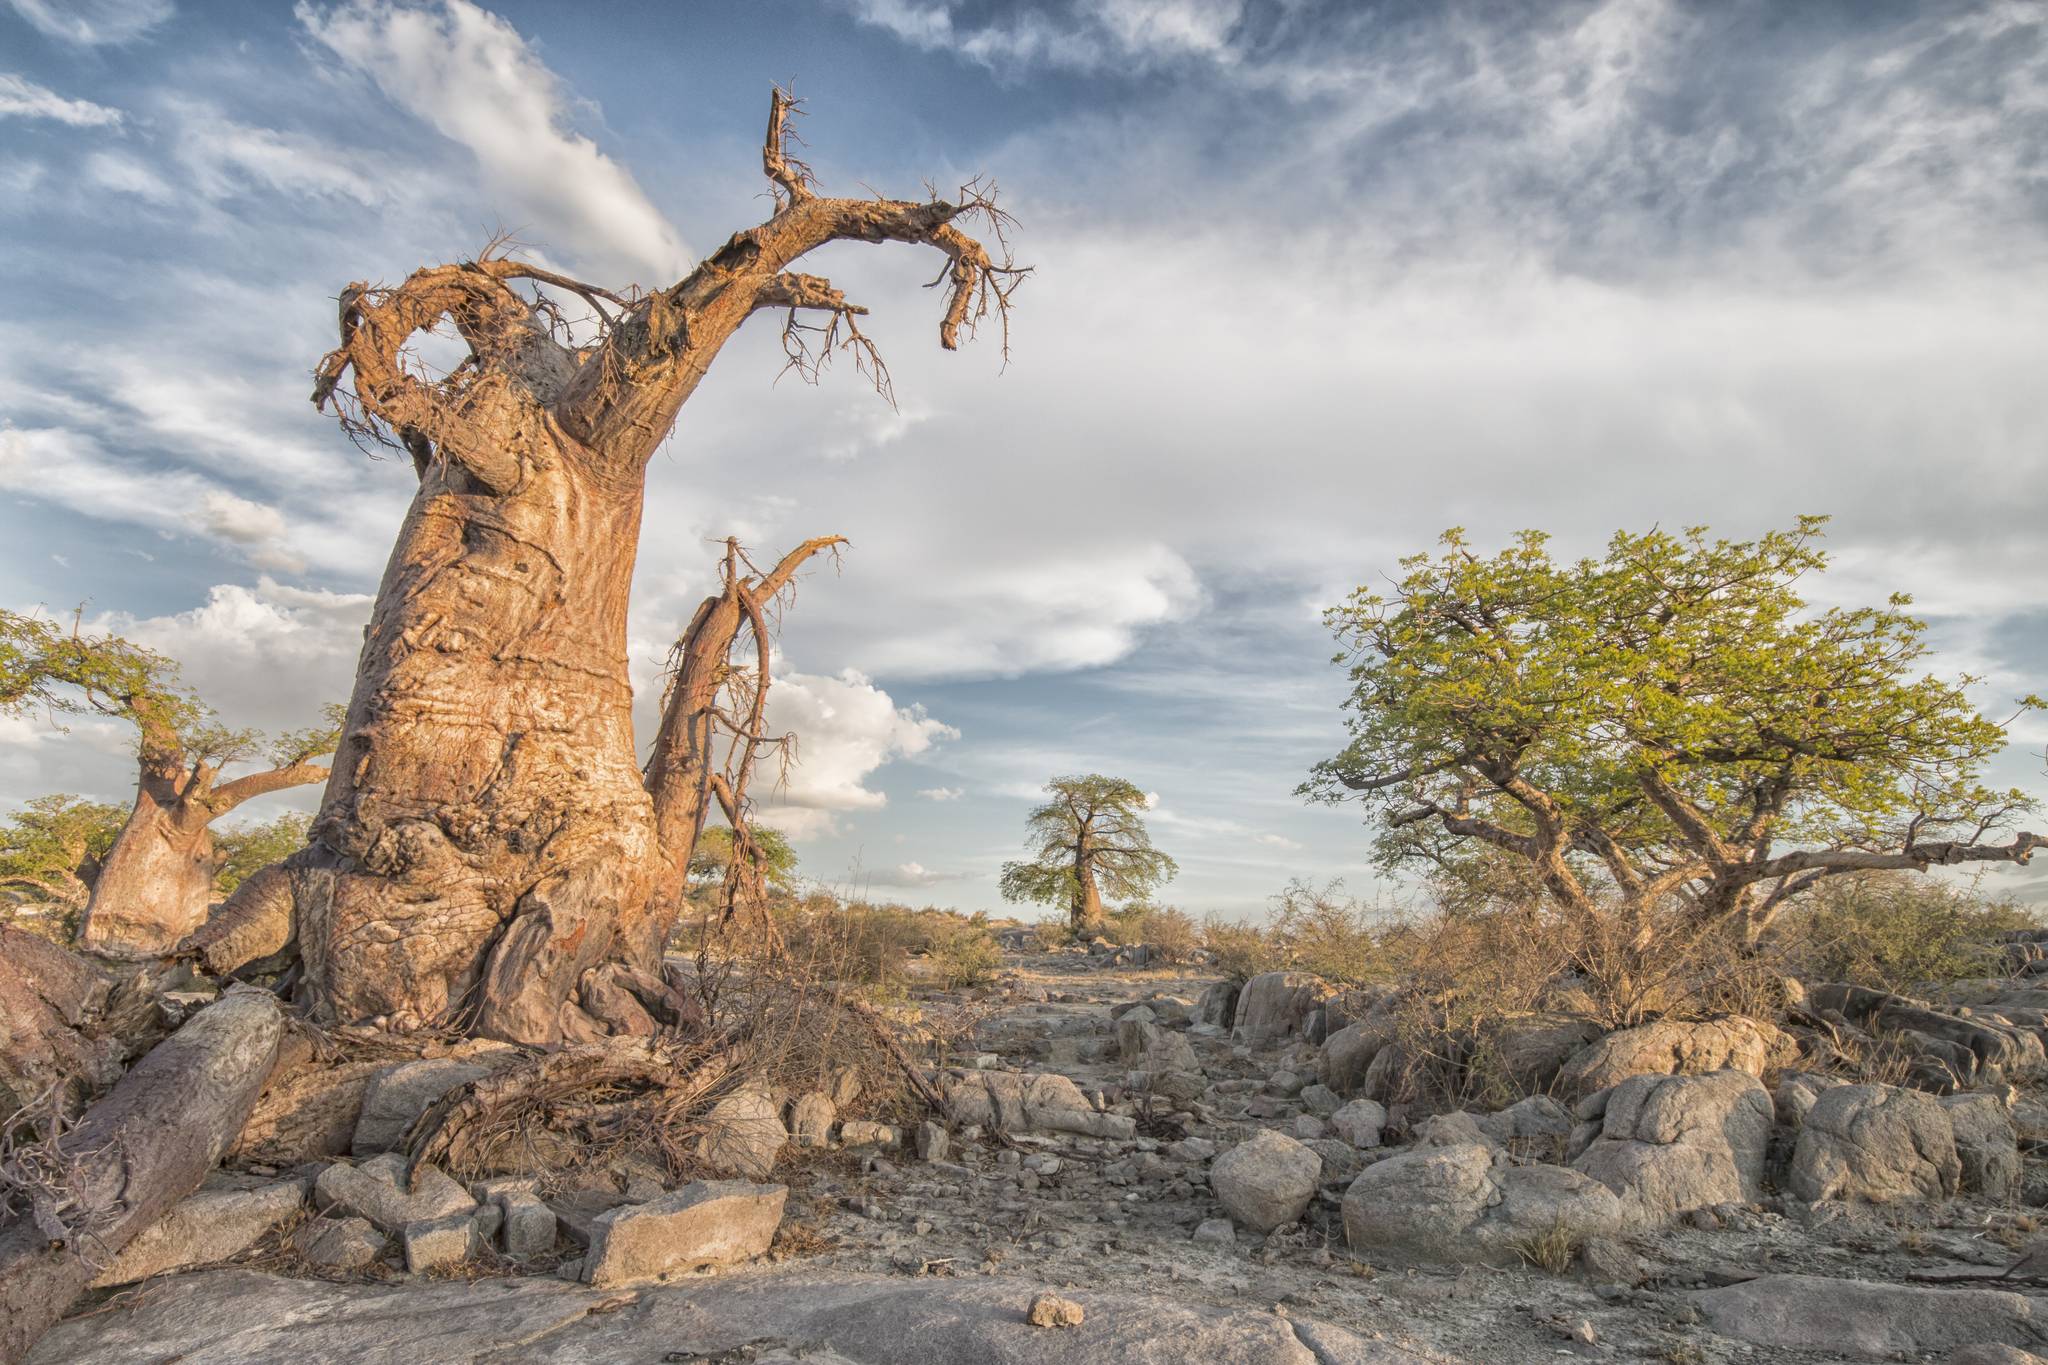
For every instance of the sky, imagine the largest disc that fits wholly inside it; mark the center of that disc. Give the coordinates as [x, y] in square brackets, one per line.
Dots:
[1312, 283]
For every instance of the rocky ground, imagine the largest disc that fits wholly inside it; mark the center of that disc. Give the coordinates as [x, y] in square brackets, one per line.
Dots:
[1182, 1178]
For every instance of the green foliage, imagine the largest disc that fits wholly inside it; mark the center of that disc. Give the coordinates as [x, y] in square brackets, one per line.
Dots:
[713, 855]
[1091, 822]
[962, 952]
[52, 847]
[1670, 716]
[250, 848]
[1316, 929]
[1897, 933]
[45, 667]
[1168, 931]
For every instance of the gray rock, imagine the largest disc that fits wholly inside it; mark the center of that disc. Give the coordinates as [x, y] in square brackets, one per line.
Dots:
[1218, 1004]
[1308, 1128]
[1341, 1160]
[529, 1227]
[1796, 1093]
[236, 1317]
[1360, 1123]
[371, 1191]
[1276, 1005]
[865, 1133]
[1532, 1048]
[1349, 1052]
[441, 1243]
[1040, 1102]
[1215, 1232]
[1469, 1203]
[705, 1223]
[398, 1095]
[1669, 1144]
[344, 1244]
[932, 1141]
[1455, 1129]
[1536, 1119]
[1986, 1144]
[811, 1118]
[1267, 1182]
[1320, 1100]
[1874, 1144]
[1675, 1048]
[1985, 1353]
[743, 1134]
[1869, 1321]
[209, 1226]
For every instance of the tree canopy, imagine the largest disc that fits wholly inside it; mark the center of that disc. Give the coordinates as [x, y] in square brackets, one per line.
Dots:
[52, 847]
[1668, 722]
[1088, 843]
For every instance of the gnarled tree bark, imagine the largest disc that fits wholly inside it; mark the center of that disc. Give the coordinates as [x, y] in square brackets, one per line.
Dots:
[486, 838]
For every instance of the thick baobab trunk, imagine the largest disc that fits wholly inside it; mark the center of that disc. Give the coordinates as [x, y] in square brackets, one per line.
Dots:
[684, 775]
[156, 883]
[143, 1147]
[1086, 913]
[485, 837]
[486, 844]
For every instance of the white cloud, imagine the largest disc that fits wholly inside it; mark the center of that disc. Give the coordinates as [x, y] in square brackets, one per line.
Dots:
[1279, 841]
[942, 793]
[73, 471]
[846, 728]
[912, 874]
[1129, 35]
[471, 76]
[90, 23]
[25, 99]
[124, 174]
[223, 157]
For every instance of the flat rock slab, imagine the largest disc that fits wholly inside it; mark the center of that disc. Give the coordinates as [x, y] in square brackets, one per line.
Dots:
[1868, 1320]
[238, 1317]
[209, 1226]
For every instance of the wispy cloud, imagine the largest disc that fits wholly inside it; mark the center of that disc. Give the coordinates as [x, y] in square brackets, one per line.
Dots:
[92, 23]
[470, 75]
[25, 99]
[942, 793]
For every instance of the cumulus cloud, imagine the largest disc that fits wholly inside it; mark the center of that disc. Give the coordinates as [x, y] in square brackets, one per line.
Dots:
[912, 874]
[846, 728]
[470, 75]
[25, 99]
[92, 23]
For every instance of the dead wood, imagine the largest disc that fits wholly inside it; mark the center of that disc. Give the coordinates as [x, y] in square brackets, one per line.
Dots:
[78, 1197]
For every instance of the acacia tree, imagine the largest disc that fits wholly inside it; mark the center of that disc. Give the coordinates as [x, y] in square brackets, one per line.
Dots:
[1666, 737]
[1089, 841]
[487, 843]
[154, 884]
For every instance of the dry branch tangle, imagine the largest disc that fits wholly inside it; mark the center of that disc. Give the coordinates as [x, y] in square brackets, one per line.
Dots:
[486, 838]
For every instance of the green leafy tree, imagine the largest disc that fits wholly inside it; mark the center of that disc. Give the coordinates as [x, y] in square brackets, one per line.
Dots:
[157, 879]
[246, 850]
[1087, 843]
[52, 848]
[1667, 737]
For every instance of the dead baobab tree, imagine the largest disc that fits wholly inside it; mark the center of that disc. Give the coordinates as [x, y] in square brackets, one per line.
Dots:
[488, 855]
[712, 696]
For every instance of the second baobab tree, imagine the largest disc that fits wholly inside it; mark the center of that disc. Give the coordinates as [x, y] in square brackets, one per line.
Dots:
[1088, 844]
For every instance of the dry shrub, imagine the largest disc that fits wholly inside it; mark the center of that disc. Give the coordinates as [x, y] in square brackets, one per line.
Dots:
[1167, 930]
[1898, 932]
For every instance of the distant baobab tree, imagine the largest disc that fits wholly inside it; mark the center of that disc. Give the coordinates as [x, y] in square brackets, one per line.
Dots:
[1088, 843]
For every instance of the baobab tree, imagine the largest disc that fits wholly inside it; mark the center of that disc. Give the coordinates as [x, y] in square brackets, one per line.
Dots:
[52, 848]
[1664, 738]
[487, 854]
[1087, 843]
[153, 886]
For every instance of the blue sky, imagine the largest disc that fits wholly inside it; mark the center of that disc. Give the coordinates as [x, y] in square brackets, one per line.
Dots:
[1314, 281]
